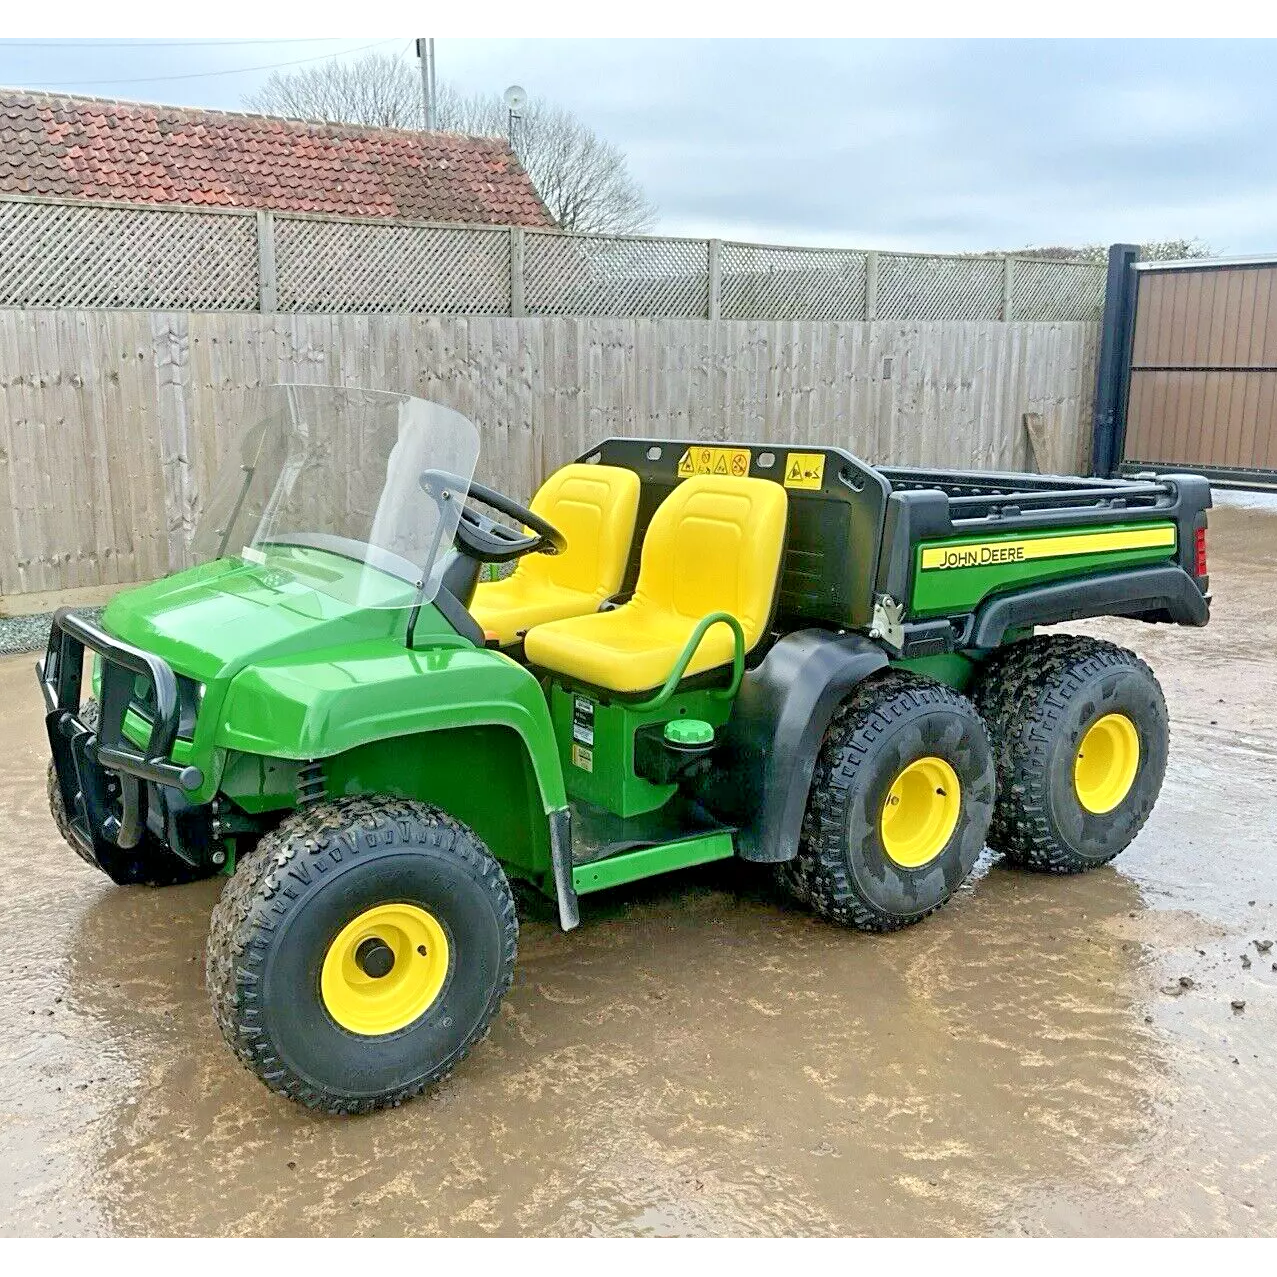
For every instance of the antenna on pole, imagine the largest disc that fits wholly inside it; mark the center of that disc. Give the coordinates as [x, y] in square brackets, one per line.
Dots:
[429, 97]
[515, 99]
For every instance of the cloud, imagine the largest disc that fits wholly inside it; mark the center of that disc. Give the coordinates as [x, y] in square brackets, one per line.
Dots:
[928, 144]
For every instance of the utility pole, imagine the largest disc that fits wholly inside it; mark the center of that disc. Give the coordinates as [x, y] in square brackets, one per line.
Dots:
[429, 98]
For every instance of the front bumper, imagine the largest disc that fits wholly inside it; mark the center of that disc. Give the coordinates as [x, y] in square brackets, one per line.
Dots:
[105, 780]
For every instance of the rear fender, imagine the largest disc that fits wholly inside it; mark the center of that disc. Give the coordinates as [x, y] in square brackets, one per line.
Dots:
[770, 743]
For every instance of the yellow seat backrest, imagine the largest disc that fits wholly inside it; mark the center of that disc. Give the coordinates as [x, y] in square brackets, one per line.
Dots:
[595, 508]
[714, 545]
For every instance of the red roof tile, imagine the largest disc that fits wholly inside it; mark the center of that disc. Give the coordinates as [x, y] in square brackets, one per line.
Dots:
[89, 148]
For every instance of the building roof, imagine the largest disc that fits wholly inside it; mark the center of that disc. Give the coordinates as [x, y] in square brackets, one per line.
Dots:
[92, 148]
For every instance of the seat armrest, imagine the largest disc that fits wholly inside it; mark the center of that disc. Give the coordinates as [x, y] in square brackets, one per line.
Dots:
[675, 677]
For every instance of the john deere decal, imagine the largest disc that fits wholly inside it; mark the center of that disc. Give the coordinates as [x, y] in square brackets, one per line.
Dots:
[976, 554]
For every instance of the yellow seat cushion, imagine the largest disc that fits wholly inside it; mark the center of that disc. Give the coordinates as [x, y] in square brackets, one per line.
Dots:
[714, 545]
[595, 508]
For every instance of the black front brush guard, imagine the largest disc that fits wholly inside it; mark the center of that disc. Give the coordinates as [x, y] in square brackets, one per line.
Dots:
[99, 770]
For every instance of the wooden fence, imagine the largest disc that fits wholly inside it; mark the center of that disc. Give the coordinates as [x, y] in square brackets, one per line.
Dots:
[113, 422]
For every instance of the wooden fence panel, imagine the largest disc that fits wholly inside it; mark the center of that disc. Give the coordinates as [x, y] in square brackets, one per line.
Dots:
[113, 423]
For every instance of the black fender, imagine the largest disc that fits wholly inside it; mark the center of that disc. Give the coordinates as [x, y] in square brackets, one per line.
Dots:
[1149, 594]
[768, 746]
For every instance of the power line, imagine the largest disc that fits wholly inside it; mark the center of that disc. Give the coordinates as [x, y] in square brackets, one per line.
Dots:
[156, 44]
[200, 75]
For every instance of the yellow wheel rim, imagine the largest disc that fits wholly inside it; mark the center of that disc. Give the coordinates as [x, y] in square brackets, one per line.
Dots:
[921, 812]
[384, 969]
[1106, 764]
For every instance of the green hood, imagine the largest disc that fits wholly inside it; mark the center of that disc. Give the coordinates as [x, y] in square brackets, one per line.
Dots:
[210, 621]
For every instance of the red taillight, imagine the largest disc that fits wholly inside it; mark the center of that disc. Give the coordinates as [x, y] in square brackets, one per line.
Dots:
[1199, 549]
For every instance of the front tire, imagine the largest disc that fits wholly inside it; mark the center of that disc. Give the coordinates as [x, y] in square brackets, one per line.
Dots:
[900, 801]
[360, 952]
[1081, 735]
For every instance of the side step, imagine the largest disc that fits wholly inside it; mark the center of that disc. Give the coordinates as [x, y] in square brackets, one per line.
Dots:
[630, 866]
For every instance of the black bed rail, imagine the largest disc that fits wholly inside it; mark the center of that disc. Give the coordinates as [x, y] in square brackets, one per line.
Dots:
[990, 481]
[983, 506]
[972, 495]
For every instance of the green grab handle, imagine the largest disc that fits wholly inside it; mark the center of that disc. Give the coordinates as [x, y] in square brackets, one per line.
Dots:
[689, 650]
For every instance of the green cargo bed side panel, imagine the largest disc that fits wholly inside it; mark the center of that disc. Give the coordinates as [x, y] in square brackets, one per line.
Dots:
[957, 574]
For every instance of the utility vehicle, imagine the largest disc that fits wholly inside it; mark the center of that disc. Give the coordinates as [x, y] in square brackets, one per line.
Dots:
[767, 651]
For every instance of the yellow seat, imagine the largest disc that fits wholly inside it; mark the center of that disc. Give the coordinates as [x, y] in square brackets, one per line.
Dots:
[595, 508]
[714, 545]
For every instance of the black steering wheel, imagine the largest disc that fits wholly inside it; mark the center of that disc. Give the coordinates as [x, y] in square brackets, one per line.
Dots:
[482, 538]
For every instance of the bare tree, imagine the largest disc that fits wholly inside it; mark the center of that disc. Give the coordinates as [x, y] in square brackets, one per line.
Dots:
[1160, 250]
[584, 180]
[377, 89]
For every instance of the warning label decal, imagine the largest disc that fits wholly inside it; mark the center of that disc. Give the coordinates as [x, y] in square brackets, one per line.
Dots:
[583, 733]
[805, 470]
[708, 460]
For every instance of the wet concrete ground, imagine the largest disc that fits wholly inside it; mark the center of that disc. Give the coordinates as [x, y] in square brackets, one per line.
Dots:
[700, 1057]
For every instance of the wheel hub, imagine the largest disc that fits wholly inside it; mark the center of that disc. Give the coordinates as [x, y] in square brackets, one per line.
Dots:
[385, 969]
[374, 957]
[920, 812]
[1107, 761]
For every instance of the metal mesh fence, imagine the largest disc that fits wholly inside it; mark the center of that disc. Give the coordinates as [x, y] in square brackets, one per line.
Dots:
[792, 283]
[605, 275]
[57, 253]
[373, 268]
[136, 258]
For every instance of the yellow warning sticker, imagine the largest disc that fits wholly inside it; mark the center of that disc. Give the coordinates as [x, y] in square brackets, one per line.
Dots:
[582, 758]
[708, 460]
[805, 470]
[990, 553]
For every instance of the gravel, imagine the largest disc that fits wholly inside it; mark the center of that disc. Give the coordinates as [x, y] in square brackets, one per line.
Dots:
[31, 633]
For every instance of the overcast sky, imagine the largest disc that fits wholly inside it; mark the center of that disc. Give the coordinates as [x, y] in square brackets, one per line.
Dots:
[946, 145]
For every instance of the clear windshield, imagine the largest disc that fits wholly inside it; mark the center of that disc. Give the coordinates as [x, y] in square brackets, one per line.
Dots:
[356, 493]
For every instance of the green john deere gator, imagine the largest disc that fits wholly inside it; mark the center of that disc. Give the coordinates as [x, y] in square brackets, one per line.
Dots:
[756, 650]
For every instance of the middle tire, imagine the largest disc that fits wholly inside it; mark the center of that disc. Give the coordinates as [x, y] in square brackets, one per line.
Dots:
[900, 803]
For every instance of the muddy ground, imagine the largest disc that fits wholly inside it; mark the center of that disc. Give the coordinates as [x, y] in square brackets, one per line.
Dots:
[700, 1057]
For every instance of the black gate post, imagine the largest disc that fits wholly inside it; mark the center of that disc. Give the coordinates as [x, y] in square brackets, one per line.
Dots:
[1113, 375]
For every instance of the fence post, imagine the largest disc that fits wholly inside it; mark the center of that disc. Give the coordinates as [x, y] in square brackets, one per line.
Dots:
[1113, 367]
[871, 284]
[714, 249]
[518, 301]
[1008, 284]
[267, 284]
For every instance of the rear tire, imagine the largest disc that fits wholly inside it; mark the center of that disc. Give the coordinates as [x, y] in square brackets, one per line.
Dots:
[1081, 734]
[900, 801]
[360, 952]
[149, 864]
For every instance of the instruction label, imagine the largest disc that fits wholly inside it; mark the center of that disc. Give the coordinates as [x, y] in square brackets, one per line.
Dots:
[721, 461]
[805, 470]
[583, 720]
[583, 733]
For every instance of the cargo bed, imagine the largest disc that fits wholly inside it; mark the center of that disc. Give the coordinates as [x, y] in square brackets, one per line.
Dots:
[932, 561]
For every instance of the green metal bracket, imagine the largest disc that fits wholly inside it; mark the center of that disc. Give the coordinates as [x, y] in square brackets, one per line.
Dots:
[680, 666]
[633, 865]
